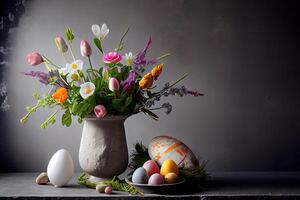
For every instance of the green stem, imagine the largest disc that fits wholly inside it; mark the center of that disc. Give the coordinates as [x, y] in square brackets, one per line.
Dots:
[47, 67]
[163, 56]
[49, 120]
[48, 61]
[120, 45]
[65, 57]
[90, 62]
[71, 50]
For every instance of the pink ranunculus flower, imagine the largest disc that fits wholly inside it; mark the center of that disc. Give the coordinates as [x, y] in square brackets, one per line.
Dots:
[112, 57]
[100, 111]
[113, 84]
[85, 48]
[34, 58]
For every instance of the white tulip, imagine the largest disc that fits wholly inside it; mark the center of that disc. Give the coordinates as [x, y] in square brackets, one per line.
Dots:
[100, 32]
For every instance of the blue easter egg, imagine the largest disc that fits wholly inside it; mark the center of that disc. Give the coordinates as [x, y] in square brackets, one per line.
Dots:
[140, 176]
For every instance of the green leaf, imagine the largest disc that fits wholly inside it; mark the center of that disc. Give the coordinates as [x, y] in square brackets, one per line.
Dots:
[66, 118]
[98, 44]
[75, 108]
[79, 120]
[128, 101]
[117, 104]
[69, 34]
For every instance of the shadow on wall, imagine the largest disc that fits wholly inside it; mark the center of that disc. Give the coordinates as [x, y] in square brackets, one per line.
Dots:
[242, 55]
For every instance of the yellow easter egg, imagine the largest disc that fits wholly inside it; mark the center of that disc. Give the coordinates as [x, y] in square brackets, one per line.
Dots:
[171, 178]
[168, 166]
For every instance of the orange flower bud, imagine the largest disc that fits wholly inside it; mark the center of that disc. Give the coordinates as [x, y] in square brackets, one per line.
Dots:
[146, 82]
[60, 95]
[156, 71]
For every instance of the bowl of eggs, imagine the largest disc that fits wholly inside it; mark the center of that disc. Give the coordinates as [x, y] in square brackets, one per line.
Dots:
[151, 179]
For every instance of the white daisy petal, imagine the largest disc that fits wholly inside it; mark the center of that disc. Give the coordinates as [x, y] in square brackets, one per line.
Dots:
[79, 64]
[96, 30]
[63, 71]
[87, 89]
[104, 31]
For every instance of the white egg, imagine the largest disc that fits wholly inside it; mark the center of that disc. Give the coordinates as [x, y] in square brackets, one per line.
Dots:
[60, 168]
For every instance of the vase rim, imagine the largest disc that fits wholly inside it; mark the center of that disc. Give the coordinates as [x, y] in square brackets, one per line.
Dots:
[107, 117]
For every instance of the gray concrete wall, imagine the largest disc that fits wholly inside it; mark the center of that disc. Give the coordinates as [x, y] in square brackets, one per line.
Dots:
[241, 54]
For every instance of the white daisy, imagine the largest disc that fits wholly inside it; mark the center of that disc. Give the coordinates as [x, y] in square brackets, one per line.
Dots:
[74, 78]
[87, 89]
[100, 32]
[129, 58]
[74, 66]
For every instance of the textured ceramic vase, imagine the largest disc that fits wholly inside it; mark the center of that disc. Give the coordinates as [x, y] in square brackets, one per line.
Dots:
[103, 149]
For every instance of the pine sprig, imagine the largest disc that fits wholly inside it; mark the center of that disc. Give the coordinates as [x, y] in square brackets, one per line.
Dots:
[115, 183]
[138, 156]
[199, 172]
[121, 185]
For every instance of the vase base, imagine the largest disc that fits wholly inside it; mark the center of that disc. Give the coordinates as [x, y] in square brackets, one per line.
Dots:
[95, 179]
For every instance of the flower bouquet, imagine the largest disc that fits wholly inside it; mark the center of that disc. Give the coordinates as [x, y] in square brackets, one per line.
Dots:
[119, 85]
[102, 95]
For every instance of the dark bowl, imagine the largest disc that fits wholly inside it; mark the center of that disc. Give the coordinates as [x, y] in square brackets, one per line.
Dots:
[173, 188]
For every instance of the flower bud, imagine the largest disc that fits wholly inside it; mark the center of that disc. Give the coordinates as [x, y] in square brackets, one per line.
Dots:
[156, 71]
[113, 84]
[61, 44]
[100, 111]
[85, 48]
[34, 58]
[146, 82]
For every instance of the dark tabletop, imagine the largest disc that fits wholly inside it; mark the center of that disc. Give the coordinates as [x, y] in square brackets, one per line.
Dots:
[233, 185]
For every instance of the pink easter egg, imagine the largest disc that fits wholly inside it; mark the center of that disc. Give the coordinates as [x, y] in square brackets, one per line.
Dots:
[108, 190]
[151, 167]
[156, 179]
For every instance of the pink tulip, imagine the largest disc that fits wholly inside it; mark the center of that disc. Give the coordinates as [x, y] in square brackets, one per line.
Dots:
[85, 48]
[112, 57]
[34, 58]
[61, 44]
[113, 84]
[100, 111]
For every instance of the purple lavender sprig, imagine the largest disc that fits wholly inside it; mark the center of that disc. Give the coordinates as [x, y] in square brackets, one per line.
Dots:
[140, 61]
[181, 91]
[41, 76]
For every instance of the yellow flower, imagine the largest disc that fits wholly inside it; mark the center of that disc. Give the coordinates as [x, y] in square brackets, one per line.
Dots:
[61, 95]
[146, 82]
[156, 71]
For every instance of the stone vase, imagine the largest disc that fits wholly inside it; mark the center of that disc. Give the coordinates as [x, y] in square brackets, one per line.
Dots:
[103, 149]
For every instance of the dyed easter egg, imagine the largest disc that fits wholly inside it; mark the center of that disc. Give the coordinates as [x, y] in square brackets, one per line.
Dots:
[162, 148]
[108, 190]
[140, 176]
[151, 167]
[171, 178]
[168, 166]
[156, 179]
